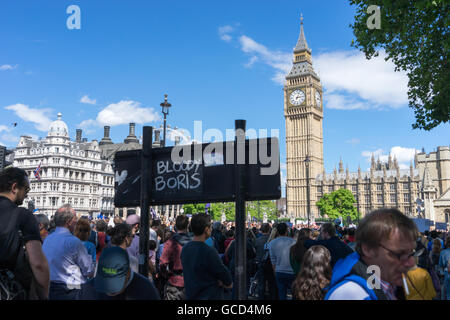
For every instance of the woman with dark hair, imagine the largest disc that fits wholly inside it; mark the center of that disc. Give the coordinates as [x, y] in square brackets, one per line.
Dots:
[314, 276]
[101, 226]
[122, 236]
[298, 249]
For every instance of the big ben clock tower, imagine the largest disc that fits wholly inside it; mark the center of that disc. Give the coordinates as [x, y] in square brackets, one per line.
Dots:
[303, 111]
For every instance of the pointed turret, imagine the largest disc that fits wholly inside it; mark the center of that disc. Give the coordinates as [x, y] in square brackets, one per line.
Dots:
[302, 45]
[372, 162]
[396, 163]
[390, 163]
[347, 173]
[411, 170]
[341, 166]
[359, 171]
[302, 58]
[427, 181]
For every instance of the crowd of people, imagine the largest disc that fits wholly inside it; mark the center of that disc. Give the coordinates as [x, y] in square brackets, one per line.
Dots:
[79, 258]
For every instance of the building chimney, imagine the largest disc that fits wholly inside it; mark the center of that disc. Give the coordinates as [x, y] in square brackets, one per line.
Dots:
[106, 139]
[177, 140]
[78, 139]
[132, 137]
[106, 131]
[157, 136]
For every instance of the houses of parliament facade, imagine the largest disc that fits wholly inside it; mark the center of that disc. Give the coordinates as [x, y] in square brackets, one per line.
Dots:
[384, 185]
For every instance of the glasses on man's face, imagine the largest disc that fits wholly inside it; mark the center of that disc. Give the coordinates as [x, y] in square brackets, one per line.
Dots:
[27, 189]
[404, 256]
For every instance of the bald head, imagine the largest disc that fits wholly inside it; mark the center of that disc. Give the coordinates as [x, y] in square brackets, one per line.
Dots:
[65, 217]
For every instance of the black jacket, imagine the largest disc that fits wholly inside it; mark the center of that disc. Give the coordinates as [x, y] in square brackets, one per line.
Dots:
[338, 249]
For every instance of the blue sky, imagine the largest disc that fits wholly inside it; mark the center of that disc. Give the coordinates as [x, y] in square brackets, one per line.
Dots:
[217, 60]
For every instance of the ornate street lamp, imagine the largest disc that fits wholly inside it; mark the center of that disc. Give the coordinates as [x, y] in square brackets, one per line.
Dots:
[165, 110]
[307, 161]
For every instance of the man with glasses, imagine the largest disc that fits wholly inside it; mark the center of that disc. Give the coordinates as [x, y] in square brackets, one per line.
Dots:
[385, 251]
[14, 187]
[70, 263]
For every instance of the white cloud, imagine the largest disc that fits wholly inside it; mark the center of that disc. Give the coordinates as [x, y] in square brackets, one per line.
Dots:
[278, 60]
[40, 117]
[224, 33]
[373, 81]
[126, 111]
[85, 99]
[4, 128]
[7, 67]
[88, 126]
[8, 137]
[185, 137]
[404, 155]
[353, 141]
[251, 62]
[123, 112]
[350, 81]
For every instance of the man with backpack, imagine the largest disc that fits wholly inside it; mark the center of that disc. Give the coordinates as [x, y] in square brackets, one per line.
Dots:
[21, 257]
[170, 261]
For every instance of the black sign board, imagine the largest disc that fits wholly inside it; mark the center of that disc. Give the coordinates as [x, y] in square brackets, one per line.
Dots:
[200, 173]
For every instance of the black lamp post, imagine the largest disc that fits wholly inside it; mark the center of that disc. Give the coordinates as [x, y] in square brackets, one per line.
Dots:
[307, 161]
[165, 110]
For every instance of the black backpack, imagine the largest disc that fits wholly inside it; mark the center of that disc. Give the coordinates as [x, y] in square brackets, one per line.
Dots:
[15, 271]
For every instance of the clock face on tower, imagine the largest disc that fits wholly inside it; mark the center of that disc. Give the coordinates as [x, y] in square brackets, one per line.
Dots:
[297, 97]
[318, 98]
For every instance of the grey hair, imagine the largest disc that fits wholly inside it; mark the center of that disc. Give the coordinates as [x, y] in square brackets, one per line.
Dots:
[63, 215]
[43, 219]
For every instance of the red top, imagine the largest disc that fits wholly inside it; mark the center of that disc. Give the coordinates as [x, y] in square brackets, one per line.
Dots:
[171, 255]
[101, 238]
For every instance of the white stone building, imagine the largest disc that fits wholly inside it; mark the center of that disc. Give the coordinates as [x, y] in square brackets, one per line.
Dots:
[71, 172]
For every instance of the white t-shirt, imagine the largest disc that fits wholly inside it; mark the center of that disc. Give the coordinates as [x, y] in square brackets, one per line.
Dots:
[349, 291]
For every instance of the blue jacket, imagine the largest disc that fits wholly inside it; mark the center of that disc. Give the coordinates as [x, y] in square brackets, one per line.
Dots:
[352, 269]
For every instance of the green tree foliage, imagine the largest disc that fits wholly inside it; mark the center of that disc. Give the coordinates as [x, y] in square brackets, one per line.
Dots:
[416, 38]
[339, 203]
[228, 208]
[257, 209]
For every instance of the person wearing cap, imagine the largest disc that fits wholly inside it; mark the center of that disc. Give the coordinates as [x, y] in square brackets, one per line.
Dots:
[115, 280]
